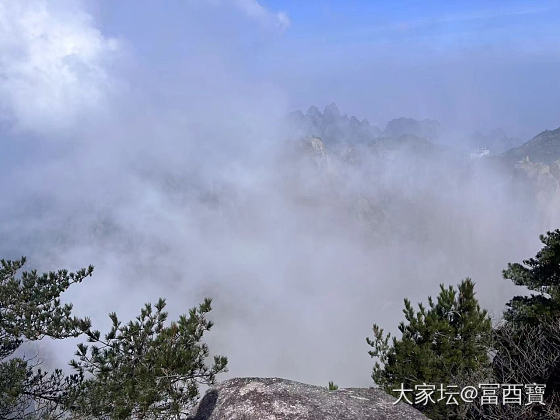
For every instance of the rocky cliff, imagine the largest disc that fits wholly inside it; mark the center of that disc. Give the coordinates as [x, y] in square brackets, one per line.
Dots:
[281, 399]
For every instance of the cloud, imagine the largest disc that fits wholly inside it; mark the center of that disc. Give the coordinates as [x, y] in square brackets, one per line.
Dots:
[51, 63]
[257, 11]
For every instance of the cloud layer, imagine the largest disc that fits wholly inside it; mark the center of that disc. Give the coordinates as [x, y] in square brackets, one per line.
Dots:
[52, 61]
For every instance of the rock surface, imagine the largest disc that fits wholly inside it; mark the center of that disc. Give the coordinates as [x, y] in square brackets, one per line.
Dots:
[281, 399]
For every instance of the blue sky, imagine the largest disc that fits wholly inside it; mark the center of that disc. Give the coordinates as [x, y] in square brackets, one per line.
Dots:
[370, 22]
[474, 65]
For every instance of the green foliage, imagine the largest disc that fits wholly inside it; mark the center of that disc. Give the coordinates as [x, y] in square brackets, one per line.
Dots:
[440, 343]
[540, 274]
[332, 386]
[145, 368]
[527, 343]
[30, 310]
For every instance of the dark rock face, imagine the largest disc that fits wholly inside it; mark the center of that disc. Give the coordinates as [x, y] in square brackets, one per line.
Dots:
[281, 399]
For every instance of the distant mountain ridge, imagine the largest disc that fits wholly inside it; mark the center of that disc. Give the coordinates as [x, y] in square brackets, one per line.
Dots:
[335, 129]
[332, 127]
[543, 148]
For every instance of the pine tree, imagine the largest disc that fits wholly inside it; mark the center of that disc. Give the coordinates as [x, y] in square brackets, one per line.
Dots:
[542, 275]
[145, 369]
[30, 310]
[439, 344]
[527, 343]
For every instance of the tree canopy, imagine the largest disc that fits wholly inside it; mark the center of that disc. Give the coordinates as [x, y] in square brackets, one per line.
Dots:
[447, 339]
[30, 309]
[146, 368]
[540, 274]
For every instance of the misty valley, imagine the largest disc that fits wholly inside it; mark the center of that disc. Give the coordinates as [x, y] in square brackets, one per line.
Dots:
[275, 210]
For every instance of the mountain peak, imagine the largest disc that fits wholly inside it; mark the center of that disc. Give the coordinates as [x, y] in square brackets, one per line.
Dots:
[313, 111]
[331, 111]
[544, 148]
[333, 127]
